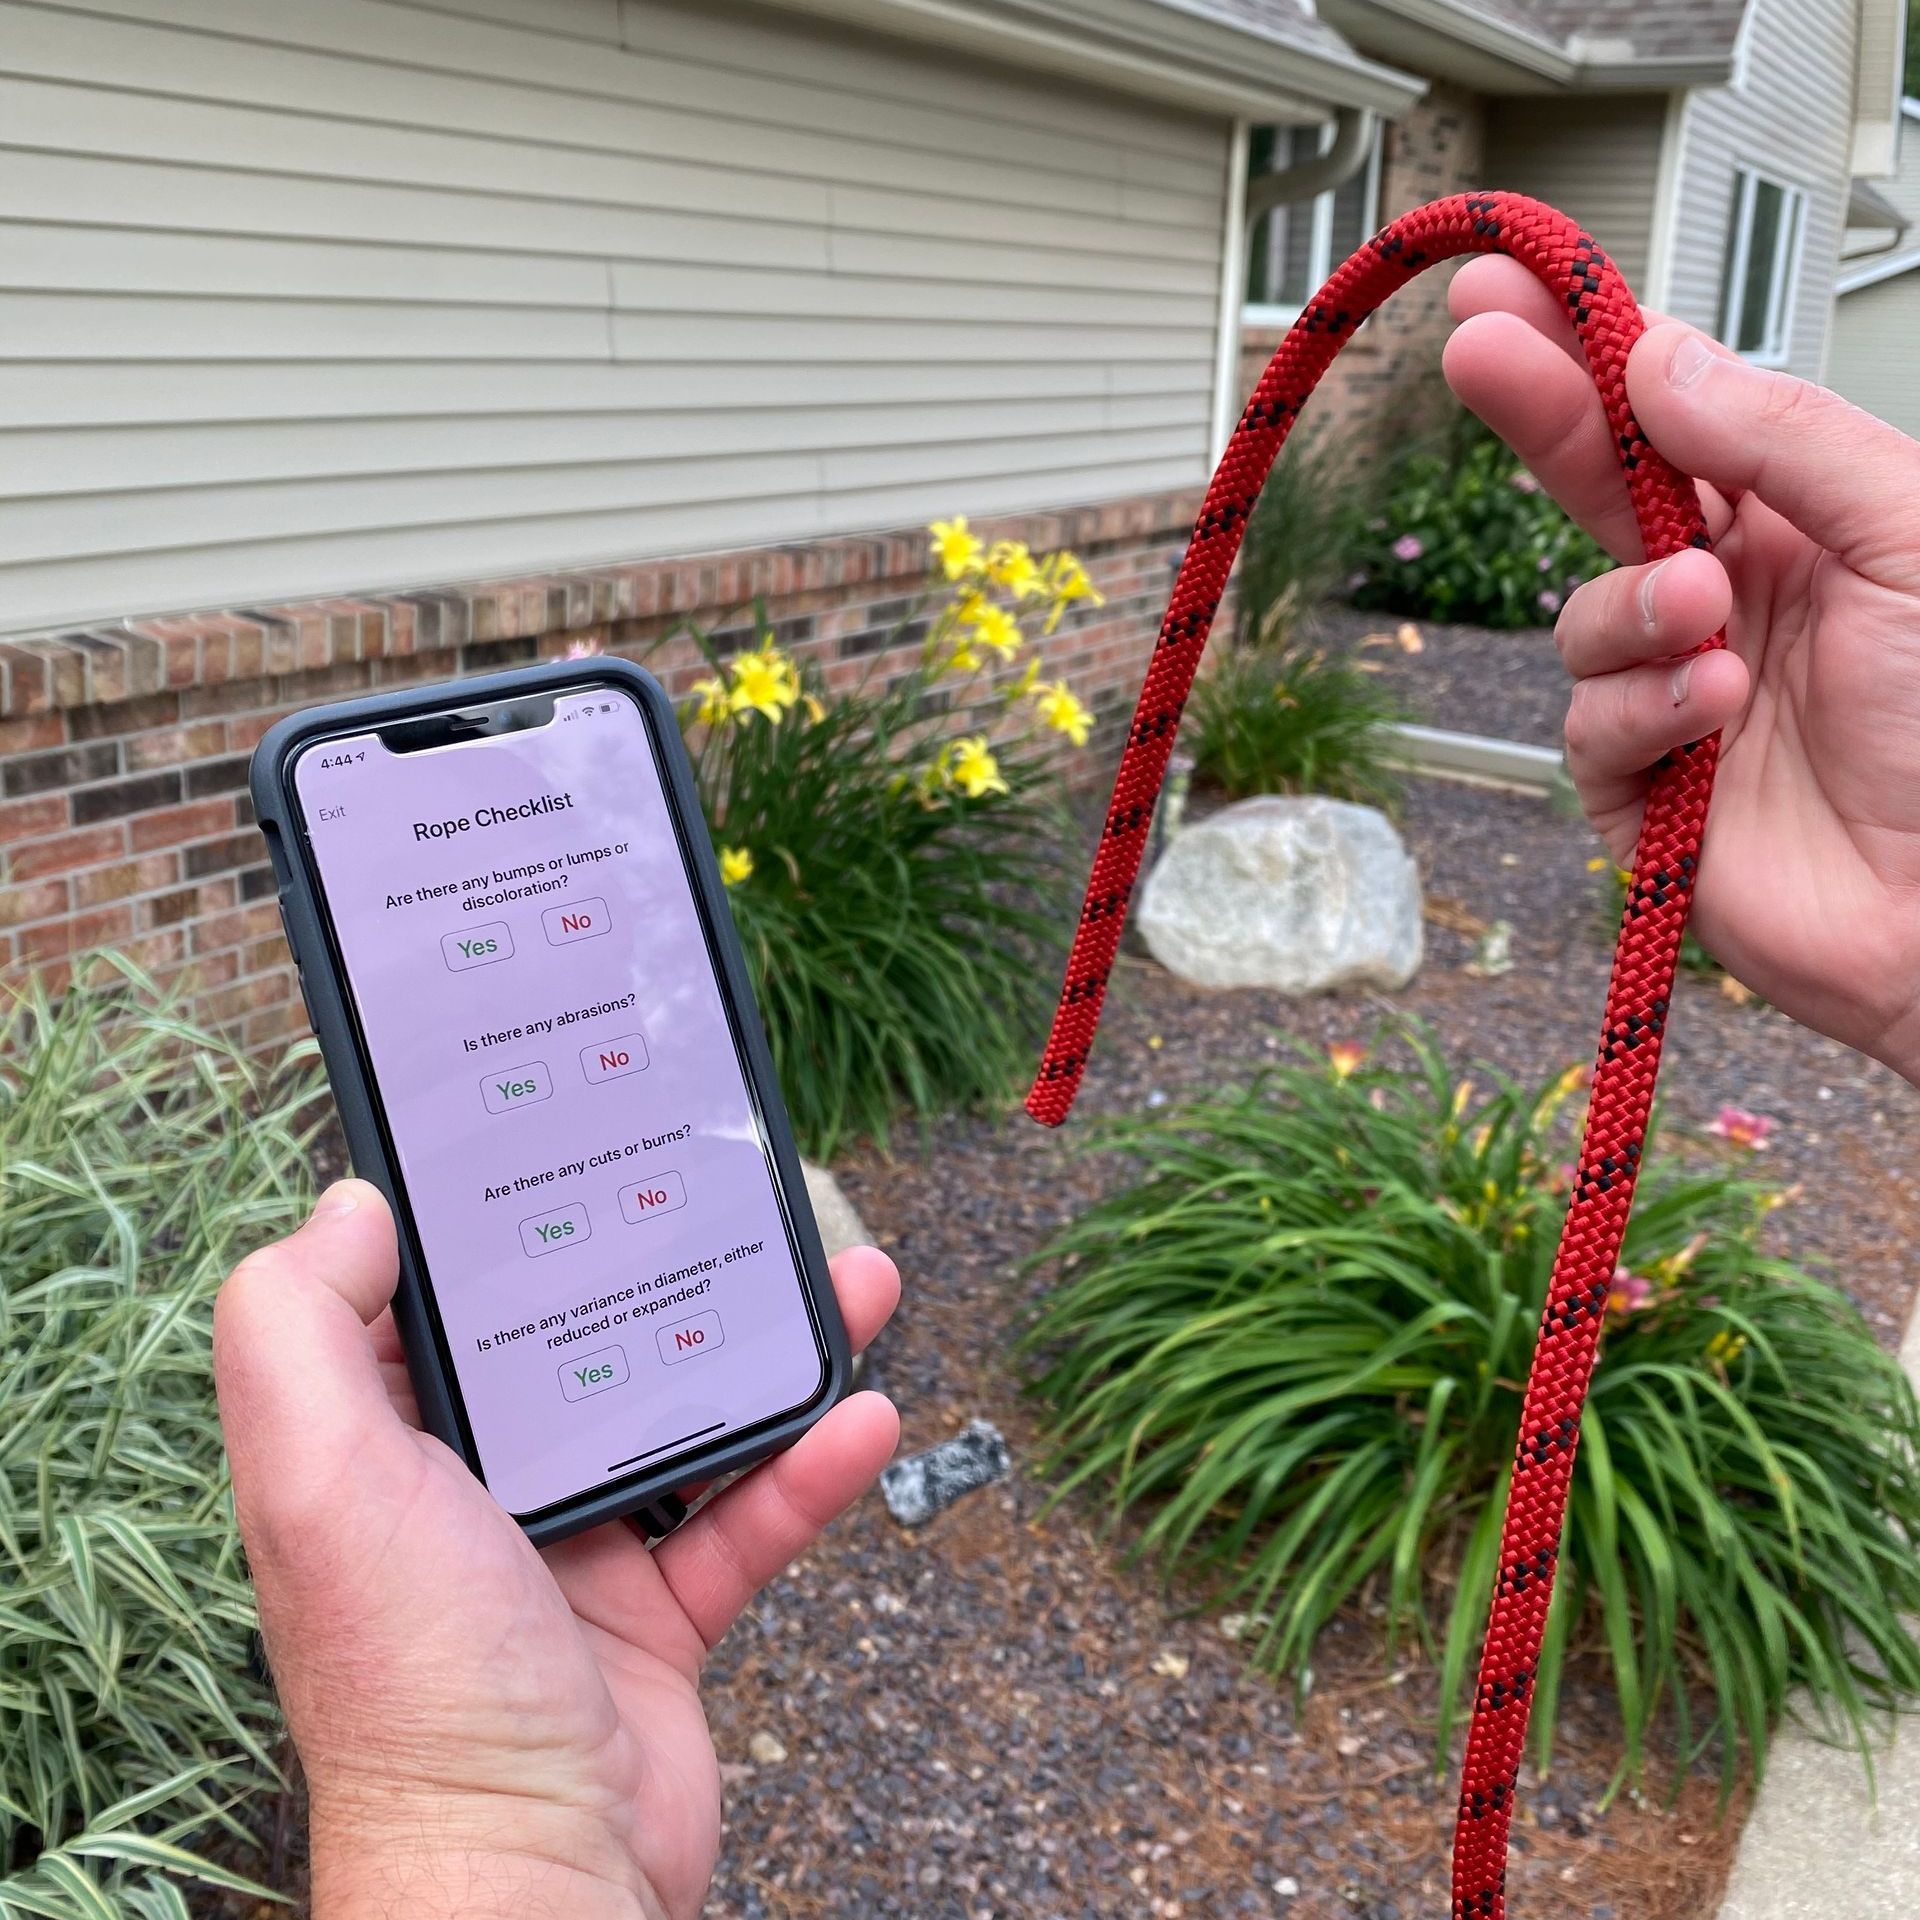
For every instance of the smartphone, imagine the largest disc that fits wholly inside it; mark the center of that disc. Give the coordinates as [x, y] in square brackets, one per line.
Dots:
[518, 956]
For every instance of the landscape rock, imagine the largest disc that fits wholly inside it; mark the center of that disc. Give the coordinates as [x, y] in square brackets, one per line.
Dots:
[1301, 894]
[840, 1224]
[924, 1484]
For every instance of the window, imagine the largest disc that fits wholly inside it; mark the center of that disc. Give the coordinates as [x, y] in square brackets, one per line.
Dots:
[1762, 266]
[1293, 248]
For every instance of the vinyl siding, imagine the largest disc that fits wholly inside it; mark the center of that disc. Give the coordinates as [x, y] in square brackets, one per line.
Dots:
[302, 299]
[1873, 361]
[1790, 118]
[1597, 159]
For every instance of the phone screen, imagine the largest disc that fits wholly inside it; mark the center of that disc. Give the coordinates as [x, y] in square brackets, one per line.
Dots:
[583, 1159]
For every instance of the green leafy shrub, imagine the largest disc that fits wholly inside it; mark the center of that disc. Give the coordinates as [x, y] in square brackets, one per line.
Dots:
[898, 883]
[1466, 533]
[1294, 1347]
[139, 1158]
[1293, 719]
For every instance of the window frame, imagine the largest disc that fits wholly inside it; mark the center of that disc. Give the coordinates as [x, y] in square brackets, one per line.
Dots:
[1789, 254]
[1268, 313]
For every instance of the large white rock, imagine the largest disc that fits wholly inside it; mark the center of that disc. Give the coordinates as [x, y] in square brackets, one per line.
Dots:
[1300, 894]
[840, 1224]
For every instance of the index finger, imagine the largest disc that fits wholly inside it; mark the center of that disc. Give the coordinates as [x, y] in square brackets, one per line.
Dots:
[1514, 361]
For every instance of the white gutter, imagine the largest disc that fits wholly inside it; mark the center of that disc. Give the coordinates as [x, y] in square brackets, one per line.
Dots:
[1147, 48]
[1886, 268]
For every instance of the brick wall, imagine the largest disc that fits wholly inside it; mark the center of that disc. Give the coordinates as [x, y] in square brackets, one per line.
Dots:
[124, 817]
[1390, 370]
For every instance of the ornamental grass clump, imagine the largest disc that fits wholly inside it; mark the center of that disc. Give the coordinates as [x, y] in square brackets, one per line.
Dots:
[139, 1159]
[897, 877]
[1293, 1349]
[1291, 717]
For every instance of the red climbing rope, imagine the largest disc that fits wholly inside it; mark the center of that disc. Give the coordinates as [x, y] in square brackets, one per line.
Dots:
[1607, 322]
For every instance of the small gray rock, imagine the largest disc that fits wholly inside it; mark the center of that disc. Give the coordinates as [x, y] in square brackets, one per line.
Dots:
[924, 1484]
[1300, 894]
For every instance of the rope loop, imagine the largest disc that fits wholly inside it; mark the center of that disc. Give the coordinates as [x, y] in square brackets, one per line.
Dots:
[1607, 321]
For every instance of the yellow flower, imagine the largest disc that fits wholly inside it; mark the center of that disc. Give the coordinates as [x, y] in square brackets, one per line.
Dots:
[1066, 581]
[963, 659]
[814, 710]
[995, 628]
[957, 551]
[1726, 1347]
[1599, 863]
[973, 769]
[1063, 713]
[1346, 1057]
[765, 683]
[1028, 680]
[1010, 565]
[715, 702]
[736, 865]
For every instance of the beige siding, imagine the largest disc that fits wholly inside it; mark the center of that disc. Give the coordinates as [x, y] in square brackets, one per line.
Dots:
[1873, 360]
[1595, 158]
[302, 298]
[1789, 117]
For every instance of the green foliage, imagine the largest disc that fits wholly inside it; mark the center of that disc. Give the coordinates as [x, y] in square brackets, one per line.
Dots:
[139, 1158]
[1294, 1346]
[1298, 536]
[1293, 719]
[903, 899]
[1466, 533]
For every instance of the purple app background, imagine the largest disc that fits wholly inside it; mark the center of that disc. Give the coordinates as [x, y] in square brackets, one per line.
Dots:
[564, 1095]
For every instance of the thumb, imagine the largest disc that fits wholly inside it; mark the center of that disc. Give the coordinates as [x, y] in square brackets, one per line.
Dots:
[294, 1364]
[1846, 480]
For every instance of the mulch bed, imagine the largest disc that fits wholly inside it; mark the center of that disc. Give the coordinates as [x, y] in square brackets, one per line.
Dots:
[998, 1715]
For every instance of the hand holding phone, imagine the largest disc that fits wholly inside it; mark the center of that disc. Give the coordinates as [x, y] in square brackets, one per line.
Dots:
[487, 1730]
[516, 951]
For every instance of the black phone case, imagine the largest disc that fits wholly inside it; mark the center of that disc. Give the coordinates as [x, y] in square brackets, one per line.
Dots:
[325, 994]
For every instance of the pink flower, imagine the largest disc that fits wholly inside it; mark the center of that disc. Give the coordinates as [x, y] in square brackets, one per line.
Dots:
[1408, 547]
[583, 649]
[1524, 482]
[1742, 1128]
[1629, 1292]
[1345, 1057]
[1563, 1178]
[1549, 600]
[1546, 563]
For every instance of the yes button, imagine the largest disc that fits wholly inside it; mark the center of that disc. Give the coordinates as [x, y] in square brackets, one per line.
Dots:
[549, 1232]
[477, 946]
[593, 1373]
[517, 1087]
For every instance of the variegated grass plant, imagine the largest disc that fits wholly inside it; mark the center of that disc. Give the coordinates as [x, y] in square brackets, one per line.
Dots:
[139, 1158]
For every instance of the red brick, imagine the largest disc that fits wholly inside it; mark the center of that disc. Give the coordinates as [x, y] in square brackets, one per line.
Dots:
[171, 745]
[28, 819]
[38, 900]
[97, 885]
[80, 933]
[64, 852]
[228, 1004]
[174, 826]
[236, 928]
[30, 732]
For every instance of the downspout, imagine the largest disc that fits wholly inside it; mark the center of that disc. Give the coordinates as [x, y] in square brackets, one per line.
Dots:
[1353, 133]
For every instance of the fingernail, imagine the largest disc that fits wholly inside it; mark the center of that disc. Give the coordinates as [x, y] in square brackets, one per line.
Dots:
[340, 1199]
[1691, 359]
[1643, 594]
[1677, 686]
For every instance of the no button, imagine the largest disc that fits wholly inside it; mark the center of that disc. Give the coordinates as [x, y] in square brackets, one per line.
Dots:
[577, 920]
[688, 1339]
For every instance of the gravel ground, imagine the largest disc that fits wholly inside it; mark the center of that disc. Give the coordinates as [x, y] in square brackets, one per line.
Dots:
[999, 1716]
[1471, 679]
